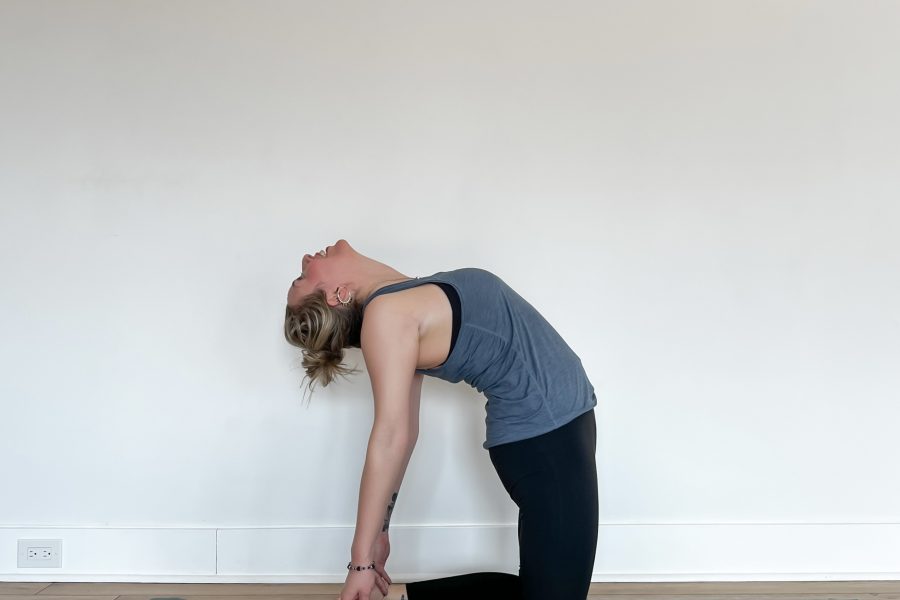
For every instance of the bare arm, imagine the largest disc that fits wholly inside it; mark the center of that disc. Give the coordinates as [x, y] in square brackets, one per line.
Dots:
[415, 395]
[390, 345]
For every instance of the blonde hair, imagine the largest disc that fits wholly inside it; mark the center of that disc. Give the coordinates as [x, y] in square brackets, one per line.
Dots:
[322, 332]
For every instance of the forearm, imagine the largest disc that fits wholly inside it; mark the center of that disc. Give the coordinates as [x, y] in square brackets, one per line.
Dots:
[382, 475]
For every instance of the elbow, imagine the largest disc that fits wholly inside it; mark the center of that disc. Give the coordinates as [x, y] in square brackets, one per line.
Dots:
[393, 437]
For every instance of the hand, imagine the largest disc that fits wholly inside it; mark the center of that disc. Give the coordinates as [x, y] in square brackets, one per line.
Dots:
[359, 585]
[380, 552]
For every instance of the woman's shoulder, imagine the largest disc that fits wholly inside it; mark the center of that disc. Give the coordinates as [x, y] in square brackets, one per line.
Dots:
[413, 306]
[394, 307]
[385, 304]
[389, 319]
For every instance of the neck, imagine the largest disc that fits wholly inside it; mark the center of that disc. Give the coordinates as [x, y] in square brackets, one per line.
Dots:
[379, 276]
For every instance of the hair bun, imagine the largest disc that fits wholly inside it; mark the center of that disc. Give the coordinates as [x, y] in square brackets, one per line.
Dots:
[322, 332]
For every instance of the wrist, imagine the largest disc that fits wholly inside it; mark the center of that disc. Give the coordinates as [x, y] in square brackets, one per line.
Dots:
[354, 567]
[361, 558]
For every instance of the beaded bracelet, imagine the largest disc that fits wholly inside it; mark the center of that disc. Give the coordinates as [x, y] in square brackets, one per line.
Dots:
[350, 566]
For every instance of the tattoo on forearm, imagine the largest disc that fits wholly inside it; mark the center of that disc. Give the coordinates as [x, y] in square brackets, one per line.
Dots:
[387, 515]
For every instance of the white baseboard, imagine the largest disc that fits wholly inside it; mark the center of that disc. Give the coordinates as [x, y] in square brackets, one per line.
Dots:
[625, 553]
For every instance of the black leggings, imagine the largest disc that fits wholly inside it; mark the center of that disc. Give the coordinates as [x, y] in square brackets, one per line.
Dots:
[552, 478]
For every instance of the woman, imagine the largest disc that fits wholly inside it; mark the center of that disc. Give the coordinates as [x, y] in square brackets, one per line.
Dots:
[465, 324]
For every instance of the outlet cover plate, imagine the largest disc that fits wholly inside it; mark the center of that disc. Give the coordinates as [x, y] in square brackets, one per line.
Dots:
[46, 554]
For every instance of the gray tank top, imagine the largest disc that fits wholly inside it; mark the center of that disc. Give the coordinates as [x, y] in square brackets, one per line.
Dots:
[533, 382]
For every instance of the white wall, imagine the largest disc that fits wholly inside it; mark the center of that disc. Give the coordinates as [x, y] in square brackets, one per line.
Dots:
[701, 196]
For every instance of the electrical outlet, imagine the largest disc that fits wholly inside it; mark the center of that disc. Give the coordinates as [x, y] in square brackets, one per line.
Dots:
[42, 554]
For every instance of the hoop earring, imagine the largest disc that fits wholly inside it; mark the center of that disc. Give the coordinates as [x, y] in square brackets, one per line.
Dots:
[345, 303]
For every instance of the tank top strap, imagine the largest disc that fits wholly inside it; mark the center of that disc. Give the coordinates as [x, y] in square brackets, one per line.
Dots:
[393, 287]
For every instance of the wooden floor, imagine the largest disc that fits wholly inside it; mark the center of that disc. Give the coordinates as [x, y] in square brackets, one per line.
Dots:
[755, 590]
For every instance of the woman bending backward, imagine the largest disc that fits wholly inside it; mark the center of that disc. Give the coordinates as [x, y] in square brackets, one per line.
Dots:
[460, 325]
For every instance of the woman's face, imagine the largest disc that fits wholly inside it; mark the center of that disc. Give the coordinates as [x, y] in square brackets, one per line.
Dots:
[325, 269]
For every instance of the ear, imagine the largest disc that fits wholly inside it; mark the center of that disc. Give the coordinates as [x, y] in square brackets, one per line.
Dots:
[332, 298]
